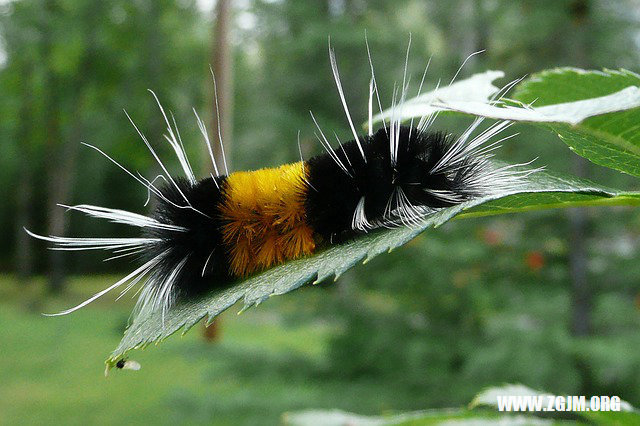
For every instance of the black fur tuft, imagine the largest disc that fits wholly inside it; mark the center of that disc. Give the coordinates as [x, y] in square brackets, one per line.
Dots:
[200, 244]
[334, 195]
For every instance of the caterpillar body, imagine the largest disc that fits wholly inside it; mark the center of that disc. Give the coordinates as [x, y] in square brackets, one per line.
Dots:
[207, 234]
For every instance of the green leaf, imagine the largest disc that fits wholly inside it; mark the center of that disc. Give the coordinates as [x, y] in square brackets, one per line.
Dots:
[543, 188]
[611, 140]
[568, 109]
[477, 89]
[594, 112]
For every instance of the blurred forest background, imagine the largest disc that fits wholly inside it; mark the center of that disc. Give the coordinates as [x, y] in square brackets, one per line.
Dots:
[549, 299]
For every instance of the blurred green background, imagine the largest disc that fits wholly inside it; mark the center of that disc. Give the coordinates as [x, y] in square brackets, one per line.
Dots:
[548, 299]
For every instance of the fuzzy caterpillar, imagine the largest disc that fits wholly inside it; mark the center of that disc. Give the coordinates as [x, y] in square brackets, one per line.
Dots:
[206, 234]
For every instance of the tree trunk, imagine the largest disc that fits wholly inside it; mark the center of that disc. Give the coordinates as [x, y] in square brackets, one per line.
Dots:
[62, 150]
[54, 167]
[581, 291]
[222, 118]
[222, 61]
[62, 162]
[24, 258]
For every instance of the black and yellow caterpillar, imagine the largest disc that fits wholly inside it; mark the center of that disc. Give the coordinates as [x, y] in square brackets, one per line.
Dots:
[206, 234]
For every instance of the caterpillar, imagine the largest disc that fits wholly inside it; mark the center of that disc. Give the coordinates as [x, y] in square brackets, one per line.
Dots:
[206, 234]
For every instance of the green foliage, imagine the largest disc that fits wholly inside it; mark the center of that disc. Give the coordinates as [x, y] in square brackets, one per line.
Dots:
[75, 65]
[611, 140]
